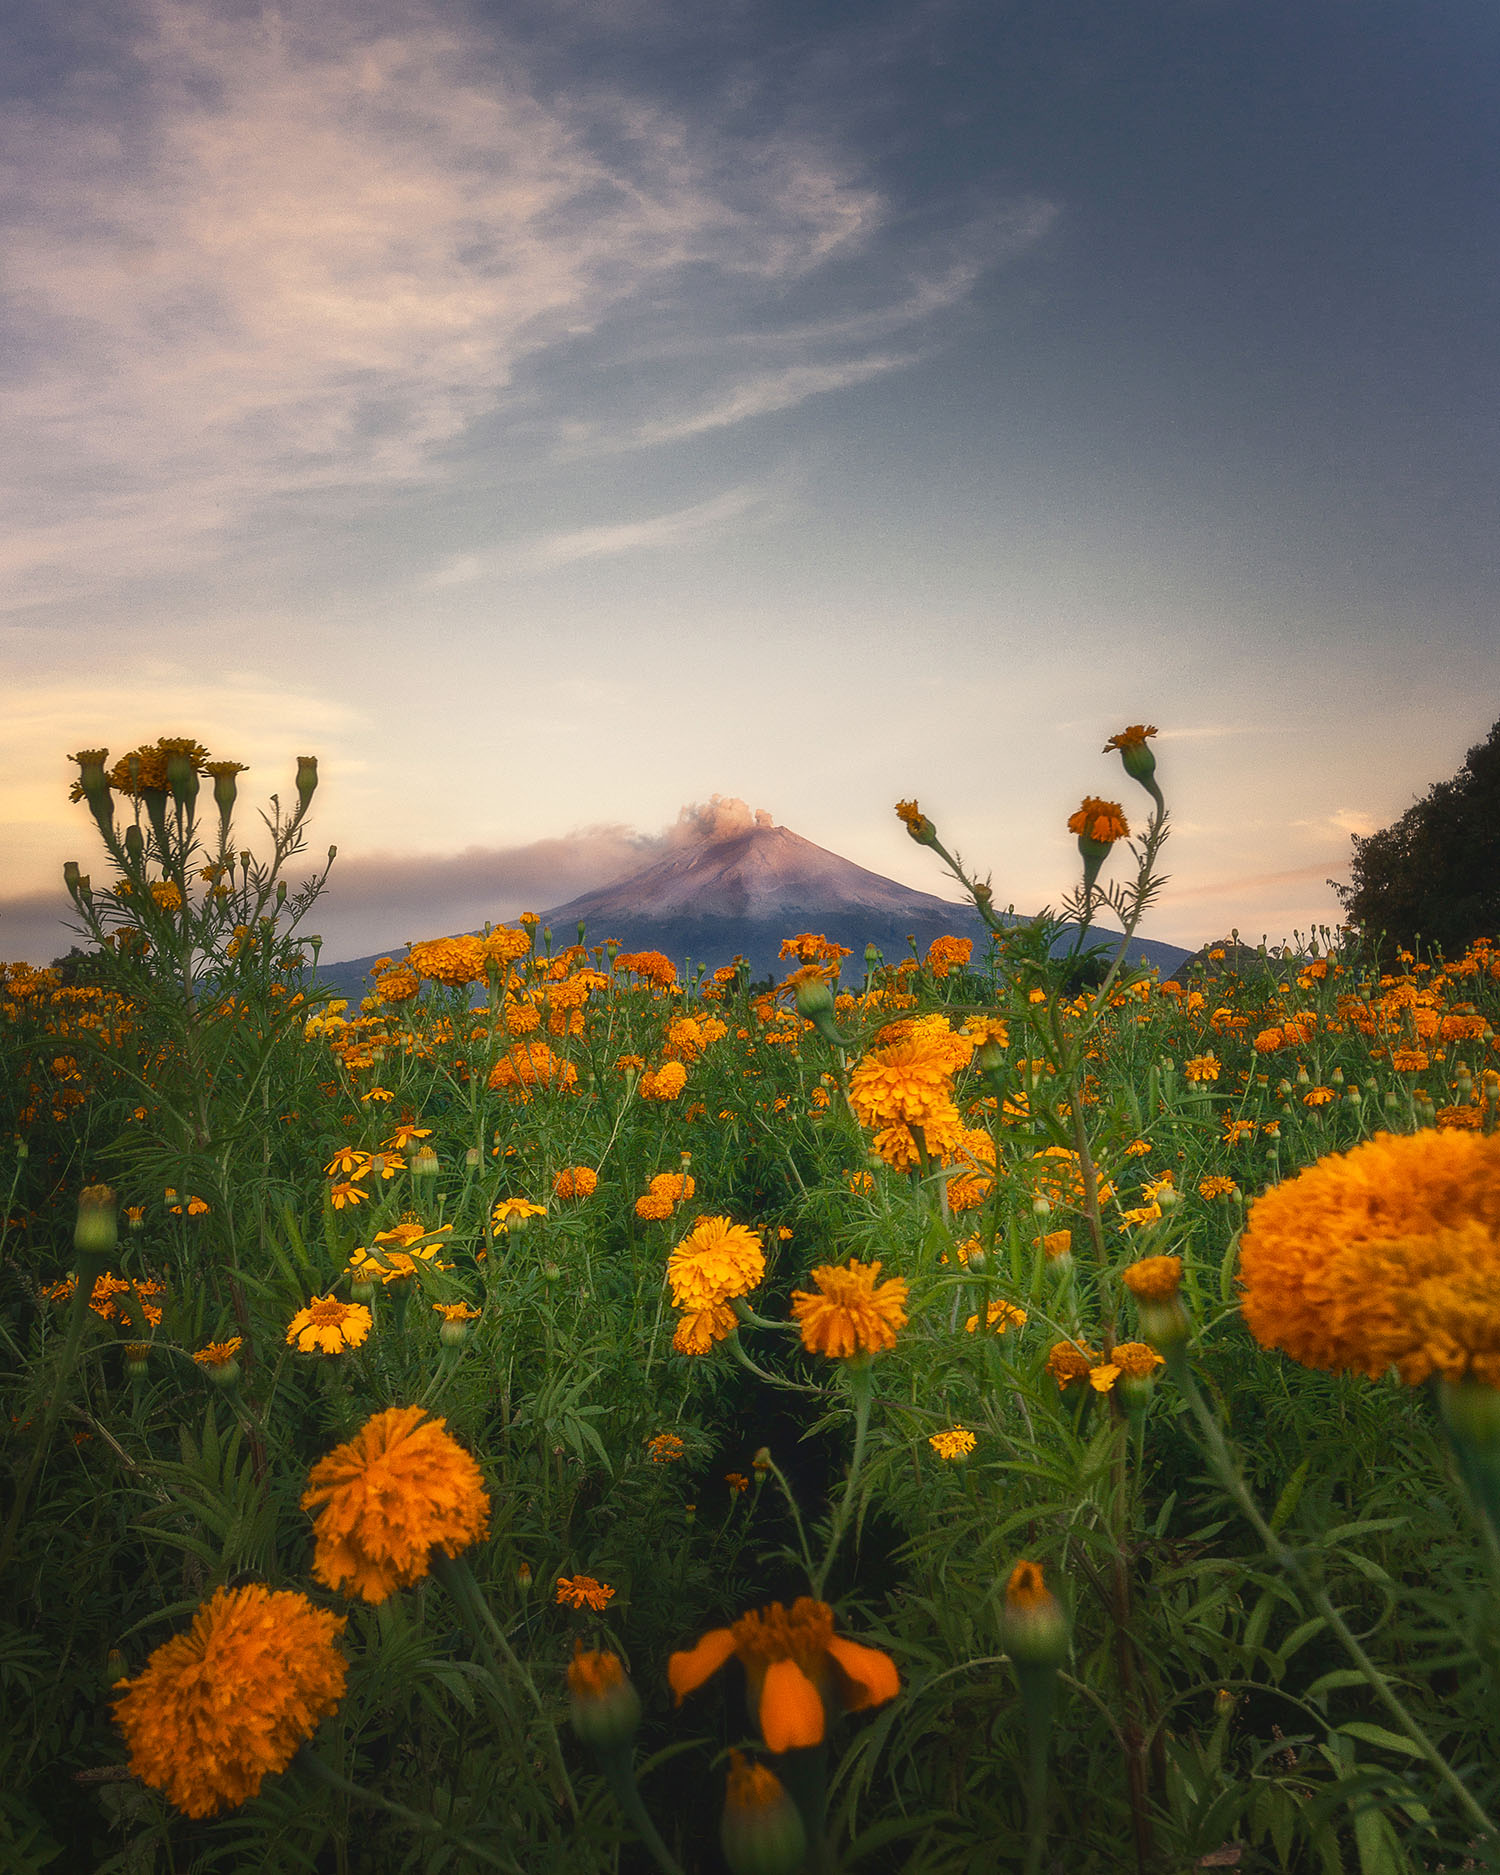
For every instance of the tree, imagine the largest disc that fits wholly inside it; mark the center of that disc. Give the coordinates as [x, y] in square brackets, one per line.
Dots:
[1435, 872]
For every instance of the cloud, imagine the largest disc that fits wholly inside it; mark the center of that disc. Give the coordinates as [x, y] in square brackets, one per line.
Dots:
[1261, 882]
[550, 551]
[298, 256]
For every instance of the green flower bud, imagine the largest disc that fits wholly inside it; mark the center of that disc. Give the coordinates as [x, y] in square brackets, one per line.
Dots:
[762, 1832]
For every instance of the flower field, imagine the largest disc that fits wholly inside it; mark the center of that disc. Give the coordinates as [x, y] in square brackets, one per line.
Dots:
[578, 1412]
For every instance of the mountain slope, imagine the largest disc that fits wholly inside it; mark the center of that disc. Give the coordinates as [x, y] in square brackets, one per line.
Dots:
[736, 885]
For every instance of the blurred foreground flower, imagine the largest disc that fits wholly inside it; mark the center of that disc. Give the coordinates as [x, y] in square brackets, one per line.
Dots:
[1384, 1256]
[219, 1708]
[794, 1664]
[398, 1489]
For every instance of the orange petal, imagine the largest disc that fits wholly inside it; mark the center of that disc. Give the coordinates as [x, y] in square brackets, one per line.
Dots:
[872, 1675]
[687, 1671]
[791, 1713]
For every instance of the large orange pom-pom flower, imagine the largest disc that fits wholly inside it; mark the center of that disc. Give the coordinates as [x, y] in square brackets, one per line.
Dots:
[851, 1313]
[794, 1664]
[1385, 1256]
[218, 1709]
[715, 1262]
[398, 1489]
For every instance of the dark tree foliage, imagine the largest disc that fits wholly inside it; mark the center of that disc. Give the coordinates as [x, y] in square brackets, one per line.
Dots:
[1434, 873]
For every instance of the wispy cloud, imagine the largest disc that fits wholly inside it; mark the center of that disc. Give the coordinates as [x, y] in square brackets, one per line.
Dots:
[298, 254]
[655, 531]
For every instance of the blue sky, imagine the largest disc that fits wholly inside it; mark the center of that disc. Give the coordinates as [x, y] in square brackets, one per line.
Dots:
[553, 415]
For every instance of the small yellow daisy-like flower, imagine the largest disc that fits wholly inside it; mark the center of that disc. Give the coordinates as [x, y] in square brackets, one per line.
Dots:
[328, 1326]
[584, 1592]
[456, 1312]
[514, 1214]
[390, 1495]
[999, 1316]
[1202, 1067]
[714, 1263]
[217, 1710]
[345, 1193]
[956, 1442]
[851, 1313]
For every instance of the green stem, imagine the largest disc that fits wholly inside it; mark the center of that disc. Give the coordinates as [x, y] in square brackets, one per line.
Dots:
[489, 1637]
[77, 1316]
[308, 1760]
[618, 1768]
[1225, 1465]
[860, 1381]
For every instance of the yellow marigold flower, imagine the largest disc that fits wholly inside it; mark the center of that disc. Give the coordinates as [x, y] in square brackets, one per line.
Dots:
[219, 1353]
[584, 1592]
[1202, 1067]
[217, 1710]
[714, 1263]
[1103, 821]
[1318, 1097]
[1384, 1256]
[575, 1181]
[1069, 1361]
[999, 1316]
[344, 1193]
[794, 1664]
[1142, 1214]
[327, 1326]
[1131, 1360]
[957, 1442]
[504, 945]
[455, 1312]
[395, 1491]
[663, 1083]
[1137, 1149]
[700, 1329]
[514, 1213]
[850, 1314]
[665, 1448]
[1057, 1176]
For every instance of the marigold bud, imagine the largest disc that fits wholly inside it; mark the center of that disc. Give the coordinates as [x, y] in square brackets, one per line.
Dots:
[95, 1235]
[605, 1708]
[762, 1832]
[307, 780]
[1034, 1627]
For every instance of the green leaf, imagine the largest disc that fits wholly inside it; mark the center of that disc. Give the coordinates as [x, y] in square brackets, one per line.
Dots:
[1378, 1735]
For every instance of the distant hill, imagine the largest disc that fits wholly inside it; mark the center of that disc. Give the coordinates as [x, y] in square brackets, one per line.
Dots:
[741, 886]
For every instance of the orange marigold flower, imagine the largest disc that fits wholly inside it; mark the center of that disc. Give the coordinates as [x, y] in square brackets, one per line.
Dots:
[395, 1491]
[949, 953]
[328, 1326]
[1318, 1097]
[1384, 1256]
[1153, 1279]
[575, 1181]
[514, 1214]
[665, 1448]
[663, 1083]
[956, 1442]
[218, 1709]
[455, 961]
[584, 1592]
[219, 1353]
[653, 1206]
[650, 966]
[1069, 1361]
[915, 821]
[795, 1664]
[1132, 738]
[850, 1314]
[1410, 1061]
[699, 1329]
[1103, 821]
[1216, 1186]
[1203, 1067]
[714, 1263]
[908, 1083]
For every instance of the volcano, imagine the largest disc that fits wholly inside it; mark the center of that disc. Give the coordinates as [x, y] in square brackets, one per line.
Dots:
[733, 884]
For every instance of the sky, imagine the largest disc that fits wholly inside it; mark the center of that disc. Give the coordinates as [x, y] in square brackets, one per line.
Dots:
[554, 414]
